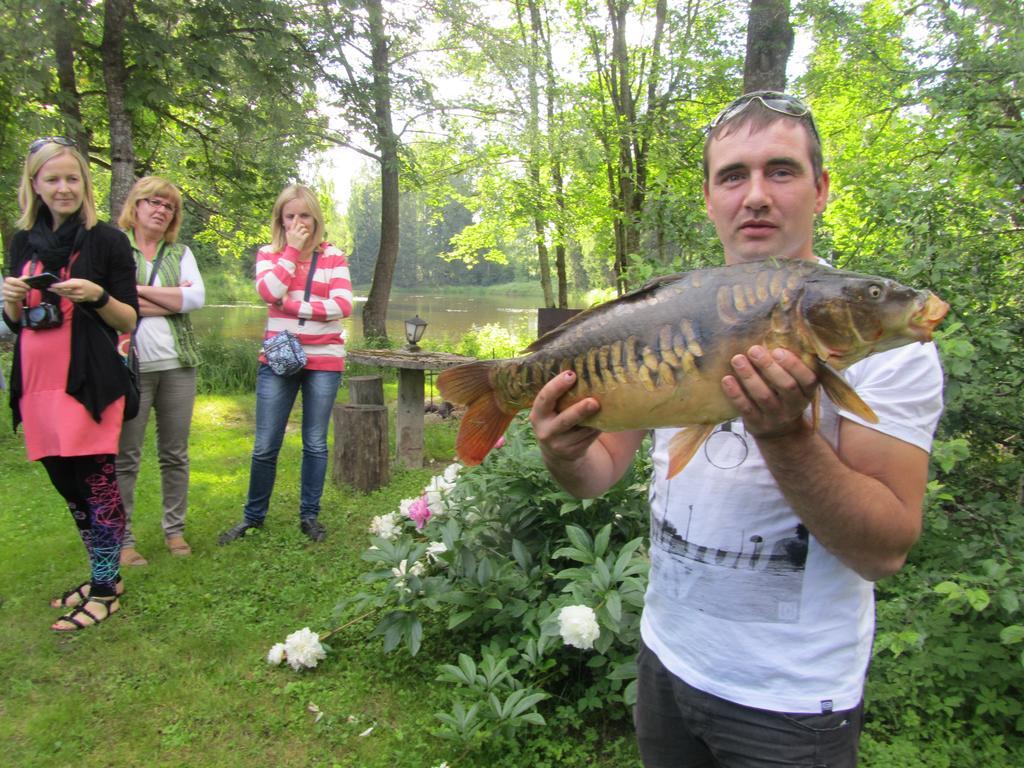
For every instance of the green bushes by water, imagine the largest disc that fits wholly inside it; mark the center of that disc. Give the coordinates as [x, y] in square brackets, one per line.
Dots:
[229, 366]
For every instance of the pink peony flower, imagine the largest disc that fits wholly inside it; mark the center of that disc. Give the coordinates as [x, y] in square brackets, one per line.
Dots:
[419, 512]
[501, 442]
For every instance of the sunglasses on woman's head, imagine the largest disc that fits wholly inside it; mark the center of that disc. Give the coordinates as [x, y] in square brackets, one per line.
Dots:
[38, 144]
[777, 102]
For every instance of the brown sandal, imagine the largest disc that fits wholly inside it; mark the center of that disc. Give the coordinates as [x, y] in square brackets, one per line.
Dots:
[110, 606]
[178, 546]
[131, 556]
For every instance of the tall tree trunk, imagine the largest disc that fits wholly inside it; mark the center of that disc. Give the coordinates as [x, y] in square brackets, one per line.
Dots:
[534, 160]
[115, 77]
[68, 99]
[769, 43]
[554, 152]
[376, 308]
[629, 176]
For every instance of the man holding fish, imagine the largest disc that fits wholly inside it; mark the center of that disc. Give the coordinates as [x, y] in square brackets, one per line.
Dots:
[766, 539]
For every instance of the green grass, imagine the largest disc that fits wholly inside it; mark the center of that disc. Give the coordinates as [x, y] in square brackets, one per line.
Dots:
[178, 677]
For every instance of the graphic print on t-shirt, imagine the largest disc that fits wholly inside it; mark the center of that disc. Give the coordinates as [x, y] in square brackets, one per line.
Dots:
[739, 575]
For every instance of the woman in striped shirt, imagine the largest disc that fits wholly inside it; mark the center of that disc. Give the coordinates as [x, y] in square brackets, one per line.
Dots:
[306, 285]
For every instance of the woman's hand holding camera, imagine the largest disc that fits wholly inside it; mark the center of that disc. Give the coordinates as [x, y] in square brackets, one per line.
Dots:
[14, 291]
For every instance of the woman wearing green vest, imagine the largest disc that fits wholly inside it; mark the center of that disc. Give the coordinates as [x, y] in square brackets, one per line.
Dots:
[169, 286]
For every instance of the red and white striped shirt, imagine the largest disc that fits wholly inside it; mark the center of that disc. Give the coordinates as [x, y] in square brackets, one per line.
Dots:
[281, 282]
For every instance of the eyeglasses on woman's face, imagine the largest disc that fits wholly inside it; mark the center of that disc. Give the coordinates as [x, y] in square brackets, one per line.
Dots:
[156, 202]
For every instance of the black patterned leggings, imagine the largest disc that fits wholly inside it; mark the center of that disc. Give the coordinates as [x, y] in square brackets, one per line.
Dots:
[89, 486]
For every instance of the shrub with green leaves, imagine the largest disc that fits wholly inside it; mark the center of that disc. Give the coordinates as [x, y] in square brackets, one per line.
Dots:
[500, 554]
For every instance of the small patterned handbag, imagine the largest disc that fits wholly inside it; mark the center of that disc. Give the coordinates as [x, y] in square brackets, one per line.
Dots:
[284, 354]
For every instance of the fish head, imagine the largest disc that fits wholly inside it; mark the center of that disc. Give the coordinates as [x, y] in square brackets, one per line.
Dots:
[850, 316]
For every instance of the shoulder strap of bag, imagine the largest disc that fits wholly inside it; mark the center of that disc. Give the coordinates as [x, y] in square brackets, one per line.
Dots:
[309, 283]
[156, 263]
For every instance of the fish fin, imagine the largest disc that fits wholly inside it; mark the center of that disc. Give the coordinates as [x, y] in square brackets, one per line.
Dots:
[684, 444]
[842, 394]
[639, 295]
[463, 384]
[484, 421]
[660, 280]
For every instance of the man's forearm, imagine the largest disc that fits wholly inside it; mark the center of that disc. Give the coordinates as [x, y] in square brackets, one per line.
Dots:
[856, 517]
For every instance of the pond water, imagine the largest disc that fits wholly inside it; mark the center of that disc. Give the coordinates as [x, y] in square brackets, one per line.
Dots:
[448, 315]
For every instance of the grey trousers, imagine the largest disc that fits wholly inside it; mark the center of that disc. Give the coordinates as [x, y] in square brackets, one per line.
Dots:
[678, 726]
[172, 394]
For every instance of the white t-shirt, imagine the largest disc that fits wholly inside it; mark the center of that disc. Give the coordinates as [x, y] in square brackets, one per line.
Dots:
[154, 340]
[742, 603]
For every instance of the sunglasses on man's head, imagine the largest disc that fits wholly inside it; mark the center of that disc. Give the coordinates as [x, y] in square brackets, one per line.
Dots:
[777, 102]
[38, 144]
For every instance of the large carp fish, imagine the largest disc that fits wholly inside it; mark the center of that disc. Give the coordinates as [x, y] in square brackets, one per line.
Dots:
[656, 357]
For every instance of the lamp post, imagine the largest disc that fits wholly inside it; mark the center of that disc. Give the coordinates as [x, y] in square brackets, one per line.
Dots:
[414, 328]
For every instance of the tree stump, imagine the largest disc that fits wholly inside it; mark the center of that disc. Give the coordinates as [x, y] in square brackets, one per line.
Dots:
[361, 446]
[366, 390]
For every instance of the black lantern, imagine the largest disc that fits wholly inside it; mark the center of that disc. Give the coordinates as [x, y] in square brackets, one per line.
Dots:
[414, 328]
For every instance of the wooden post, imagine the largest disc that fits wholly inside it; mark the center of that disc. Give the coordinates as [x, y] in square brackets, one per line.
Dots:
[365, 390]
[549, 318]
[409, 418]
[361, 446]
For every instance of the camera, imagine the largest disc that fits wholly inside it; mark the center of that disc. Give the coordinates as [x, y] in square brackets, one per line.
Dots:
[41, 317]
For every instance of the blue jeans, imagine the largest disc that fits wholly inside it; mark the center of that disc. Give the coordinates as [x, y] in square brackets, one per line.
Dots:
[679, 726]
[275, 396]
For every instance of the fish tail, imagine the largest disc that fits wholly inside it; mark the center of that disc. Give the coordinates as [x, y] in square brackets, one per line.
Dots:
[485, 421]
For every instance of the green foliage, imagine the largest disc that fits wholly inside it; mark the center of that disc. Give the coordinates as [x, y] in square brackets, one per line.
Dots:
[492, 341]
[503, 550]
[229, 365]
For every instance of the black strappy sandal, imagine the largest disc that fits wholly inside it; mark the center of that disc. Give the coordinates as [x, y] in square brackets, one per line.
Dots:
[108, 603]
[76, 596]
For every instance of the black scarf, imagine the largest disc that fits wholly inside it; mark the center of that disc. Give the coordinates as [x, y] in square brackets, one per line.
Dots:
[54, 248]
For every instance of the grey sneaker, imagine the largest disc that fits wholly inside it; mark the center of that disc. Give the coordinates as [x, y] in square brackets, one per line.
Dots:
[313, 528]
[237, 532]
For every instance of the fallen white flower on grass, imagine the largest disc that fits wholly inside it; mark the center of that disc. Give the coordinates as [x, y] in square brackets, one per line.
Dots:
[313, 709]
[302, 648]
[578, 626]
[276, 654]
[368, 731]
[386, 526]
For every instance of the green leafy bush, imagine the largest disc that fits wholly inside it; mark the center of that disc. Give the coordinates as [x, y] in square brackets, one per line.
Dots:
[499, 554]
[229, 365]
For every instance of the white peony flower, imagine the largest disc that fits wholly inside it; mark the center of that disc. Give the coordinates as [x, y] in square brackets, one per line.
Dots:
[303, 649]
[437, 489]
[578, 626]
[451, 472]
[276, 654]
[404, 569]
[386, 526]
[435, 550]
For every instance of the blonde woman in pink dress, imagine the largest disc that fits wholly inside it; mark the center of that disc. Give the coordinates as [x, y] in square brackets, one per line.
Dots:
[71, 291]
